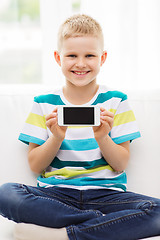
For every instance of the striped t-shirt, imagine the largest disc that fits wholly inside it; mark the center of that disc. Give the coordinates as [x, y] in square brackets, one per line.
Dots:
[79, 163]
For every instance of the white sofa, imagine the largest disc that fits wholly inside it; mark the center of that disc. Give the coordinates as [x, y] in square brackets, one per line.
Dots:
[144, 167]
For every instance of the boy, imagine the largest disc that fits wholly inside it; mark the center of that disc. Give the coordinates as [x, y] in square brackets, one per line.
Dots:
[81, 191]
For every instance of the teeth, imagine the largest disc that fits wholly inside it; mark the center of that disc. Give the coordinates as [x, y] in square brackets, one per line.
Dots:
[80, 73]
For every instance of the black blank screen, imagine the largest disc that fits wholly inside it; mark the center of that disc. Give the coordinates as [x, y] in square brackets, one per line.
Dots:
[78, 115]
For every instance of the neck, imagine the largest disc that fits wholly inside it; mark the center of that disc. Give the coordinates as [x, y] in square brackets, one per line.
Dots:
[80, 95]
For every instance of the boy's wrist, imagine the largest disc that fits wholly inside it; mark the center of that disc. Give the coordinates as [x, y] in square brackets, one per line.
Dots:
[101, 139]
[57, 138]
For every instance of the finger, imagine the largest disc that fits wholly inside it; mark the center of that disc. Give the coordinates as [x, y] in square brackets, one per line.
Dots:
[51, 122]
[107, 113]
[106, 125]
[51, 115]
[107, 120]
[102, 109]
[55, 110]
[47, 117]
[110, 114]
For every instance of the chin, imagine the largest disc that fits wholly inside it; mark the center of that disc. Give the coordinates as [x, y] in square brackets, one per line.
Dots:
[82, 84]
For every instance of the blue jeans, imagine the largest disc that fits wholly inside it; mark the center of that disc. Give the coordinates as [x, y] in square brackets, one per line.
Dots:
[87, 214]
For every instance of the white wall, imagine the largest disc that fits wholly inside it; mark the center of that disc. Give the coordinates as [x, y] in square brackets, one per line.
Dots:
[132, 35]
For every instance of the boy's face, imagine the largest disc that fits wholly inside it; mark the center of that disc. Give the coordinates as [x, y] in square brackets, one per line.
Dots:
[80, 59]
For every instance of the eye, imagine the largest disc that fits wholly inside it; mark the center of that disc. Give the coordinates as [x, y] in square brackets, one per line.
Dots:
[90, 55]
[71, 56]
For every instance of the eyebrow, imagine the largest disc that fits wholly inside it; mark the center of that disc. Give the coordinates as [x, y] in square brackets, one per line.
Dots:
[75, 53]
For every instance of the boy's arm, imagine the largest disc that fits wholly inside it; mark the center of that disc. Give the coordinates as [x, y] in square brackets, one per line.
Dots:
[40, 156]
[116, 155]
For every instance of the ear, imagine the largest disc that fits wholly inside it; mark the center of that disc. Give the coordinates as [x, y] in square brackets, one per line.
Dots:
[103, 57]
[57, 57]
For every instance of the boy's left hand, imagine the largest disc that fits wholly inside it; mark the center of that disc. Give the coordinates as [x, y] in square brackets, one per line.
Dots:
[106, 124]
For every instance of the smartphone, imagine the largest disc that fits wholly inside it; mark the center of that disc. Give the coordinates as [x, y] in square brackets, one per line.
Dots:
[78, 116]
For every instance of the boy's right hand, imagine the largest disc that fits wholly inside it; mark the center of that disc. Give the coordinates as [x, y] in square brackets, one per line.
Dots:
[52, 123]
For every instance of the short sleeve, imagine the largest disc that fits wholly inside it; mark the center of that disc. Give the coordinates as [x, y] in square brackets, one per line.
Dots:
[125, 126]
[34, 129]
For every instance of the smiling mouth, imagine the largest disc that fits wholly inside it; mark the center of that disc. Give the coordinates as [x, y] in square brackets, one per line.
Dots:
[80, 72]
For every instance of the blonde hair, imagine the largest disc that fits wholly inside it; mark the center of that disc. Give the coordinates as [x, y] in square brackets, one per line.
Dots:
[78, 26]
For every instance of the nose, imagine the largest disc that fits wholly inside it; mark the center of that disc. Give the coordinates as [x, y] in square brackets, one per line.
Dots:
[81, 63]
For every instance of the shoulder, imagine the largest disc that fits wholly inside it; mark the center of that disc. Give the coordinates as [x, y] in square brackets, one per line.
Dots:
[106, 94]
[52, 97]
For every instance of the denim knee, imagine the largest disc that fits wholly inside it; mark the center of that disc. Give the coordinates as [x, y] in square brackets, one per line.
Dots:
[6, 190]
[156, 218]
[8, 199]
[146, 205]
[152, 209]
